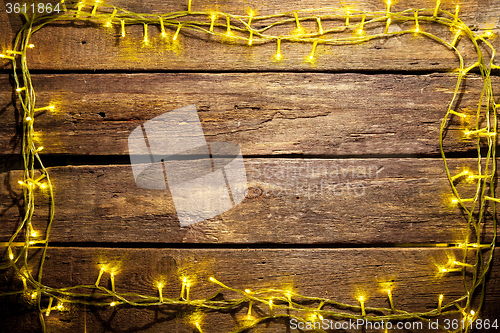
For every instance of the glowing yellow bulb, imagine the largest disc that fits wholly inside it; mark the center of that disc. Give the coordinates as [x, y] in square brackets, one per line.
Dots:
[43, 186]
[20, 89]
[30, 46]
[112, 304]
[443, 270]
[33, 295]
[60, 306]
[248, 291]
[361, 298]
[441, 297]
[33, 233]
[212, 279]
[11, 255]
[472, 313]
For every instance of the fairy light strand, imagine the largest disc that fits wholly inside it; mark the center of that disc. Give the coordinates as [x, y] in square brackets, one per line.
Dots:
[278, 301]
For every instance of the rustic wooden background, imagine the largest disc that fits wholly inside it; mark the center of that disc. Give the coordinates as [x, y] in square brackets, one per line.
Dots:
[371, 111]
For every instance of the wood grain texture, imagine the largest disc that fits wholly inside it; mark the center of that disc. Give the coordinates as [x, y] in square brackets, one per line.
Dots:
[264, 113]
[306, 201]
[76, 46]
[333, 273]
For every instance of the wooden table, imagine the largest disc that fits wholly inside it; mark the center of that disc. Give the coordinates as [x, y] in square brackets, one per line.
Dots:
[347, 188]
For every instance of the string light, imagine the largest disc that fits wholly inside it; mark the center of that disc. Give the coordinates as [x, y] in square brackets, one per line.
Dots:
[387, 25]
[99, 277]
[440, 302]
[18, 90]
[388, 6]
[320, 27]
[389, 295]
[49, 108]
[361, 300]
[438, 3]
[47, 313]
[160, 291]
[162, 27]
[228, 23]
[109, 22]
[360, 31]
[278, 56]
[311, 58]
[146, 40]
[112, 278]
[457, 37]
[461, 115]
[122, 23]
[251, 14]
[94, 10]
[11, 254]
[464, 172]
[213, 17]
[177, 32]
[298, 30]
[6, 57]
[131, 18]
[347, 13]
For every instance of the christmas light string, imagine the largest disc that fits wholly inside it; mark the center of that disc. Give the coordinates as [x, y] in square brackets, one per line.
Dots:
[240, 29]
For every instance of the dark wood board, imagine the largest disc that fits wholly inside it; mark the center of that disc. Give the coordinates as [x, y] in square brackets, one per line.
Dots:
[264, 113]
[306, 201]
[332, 273]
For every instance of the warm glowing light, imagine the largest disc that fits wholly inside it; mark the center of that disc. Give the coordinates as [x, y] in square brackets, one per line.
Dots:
[30, 46]
[6, 57]
[34, 295]
[440, 302]
[160, 291]
[112, 304]
[99, 277]
[278, 56]
[43, 186]
[122, 23]
[146, 39]
[228, 24]
[112, 282]
[47, 313]
[388, 23]
[457, 37]
[472, 312]
[213, 17]
[438, 2]
[20, 89]
[33, 233]
[177, 32]
[489, 34]
[11, 255]
[361, 300]
[212, 279]
[60, 306]
[248, 291]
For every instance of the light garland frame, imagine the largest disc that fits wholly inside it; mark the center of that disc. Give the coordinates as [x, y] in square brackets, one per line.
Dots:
[238, 29]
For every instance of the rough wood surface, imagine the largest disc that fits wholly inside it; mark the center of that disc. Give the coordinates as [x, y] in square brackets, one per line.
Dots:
[307, 201]
[264, 113]
[333, 273]
[75, 46]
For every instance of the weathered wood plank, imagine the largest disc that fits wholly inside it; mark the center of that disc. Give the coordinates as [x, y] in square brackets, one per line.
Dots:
[75, 47]
[328, 114]
[351, 201]
[333, 273]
